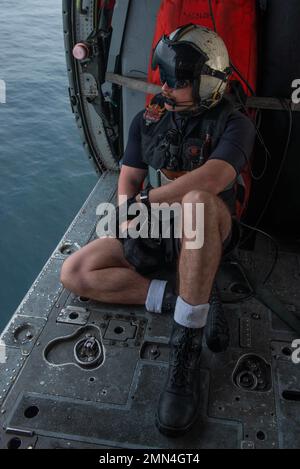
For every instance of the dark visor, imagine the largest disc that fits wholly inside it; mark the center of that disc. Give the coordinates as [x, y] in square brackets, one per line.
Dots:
[181, 60]
[178, 61]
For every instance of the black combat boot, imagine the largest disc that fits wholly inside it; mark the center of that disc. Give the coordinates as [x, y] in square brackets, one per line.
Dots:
[179, 402]
[216, 329]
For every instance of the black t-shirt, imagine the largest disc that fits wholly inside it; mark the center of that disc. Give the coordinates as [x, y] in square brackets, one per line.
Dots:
[235, 145]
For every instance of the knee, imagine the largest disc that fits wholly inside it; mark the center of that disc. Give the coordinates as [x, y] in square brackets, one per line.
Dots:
[214, 209]
[208, 200]
[71, 274]
[199, 196]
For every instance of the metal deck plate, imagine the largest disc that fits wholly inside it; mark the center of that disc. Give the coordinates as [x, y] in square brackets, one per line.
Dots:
[250, 393]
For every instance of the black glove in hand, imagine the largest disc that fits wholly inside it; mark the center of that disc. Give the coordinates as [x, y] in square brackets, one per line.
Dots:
[144, 254]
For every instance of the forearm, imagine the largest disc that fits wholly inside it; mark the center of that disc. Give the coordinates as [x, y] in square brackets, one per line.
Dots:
[176, 190]
[214, 176]
[130, 181]
[127, 188]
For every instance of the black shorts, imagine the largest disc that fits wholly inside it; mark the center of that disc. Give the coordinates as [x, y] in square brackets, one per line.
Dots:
[148, 255]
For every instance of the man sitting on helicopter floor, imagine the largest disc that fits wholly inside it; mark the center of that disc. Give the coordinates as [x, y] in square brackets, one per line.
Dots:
[192, 136]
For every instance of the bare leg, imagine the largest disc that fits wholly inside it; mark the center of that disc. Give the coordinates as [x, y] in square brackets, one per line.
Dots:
[100, 271]
[198, 267]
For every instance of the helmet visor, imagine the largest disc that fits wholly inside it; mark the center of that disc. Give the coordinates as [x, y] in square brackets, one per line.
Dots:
[177, 61]
[173, 82]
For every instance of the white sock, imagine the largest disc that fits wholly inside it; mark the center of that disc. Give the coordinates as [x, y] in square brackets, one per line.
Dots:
[190, 316]
[155, 295]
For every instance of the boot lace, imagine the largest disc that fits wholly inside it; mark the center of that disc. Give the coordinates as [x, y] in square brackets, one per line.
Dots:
[219, 324]
[183, 355]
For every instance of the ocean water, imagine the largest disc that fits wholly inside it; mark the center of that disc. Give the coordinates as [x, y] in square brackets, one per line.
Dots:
[45, 175]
